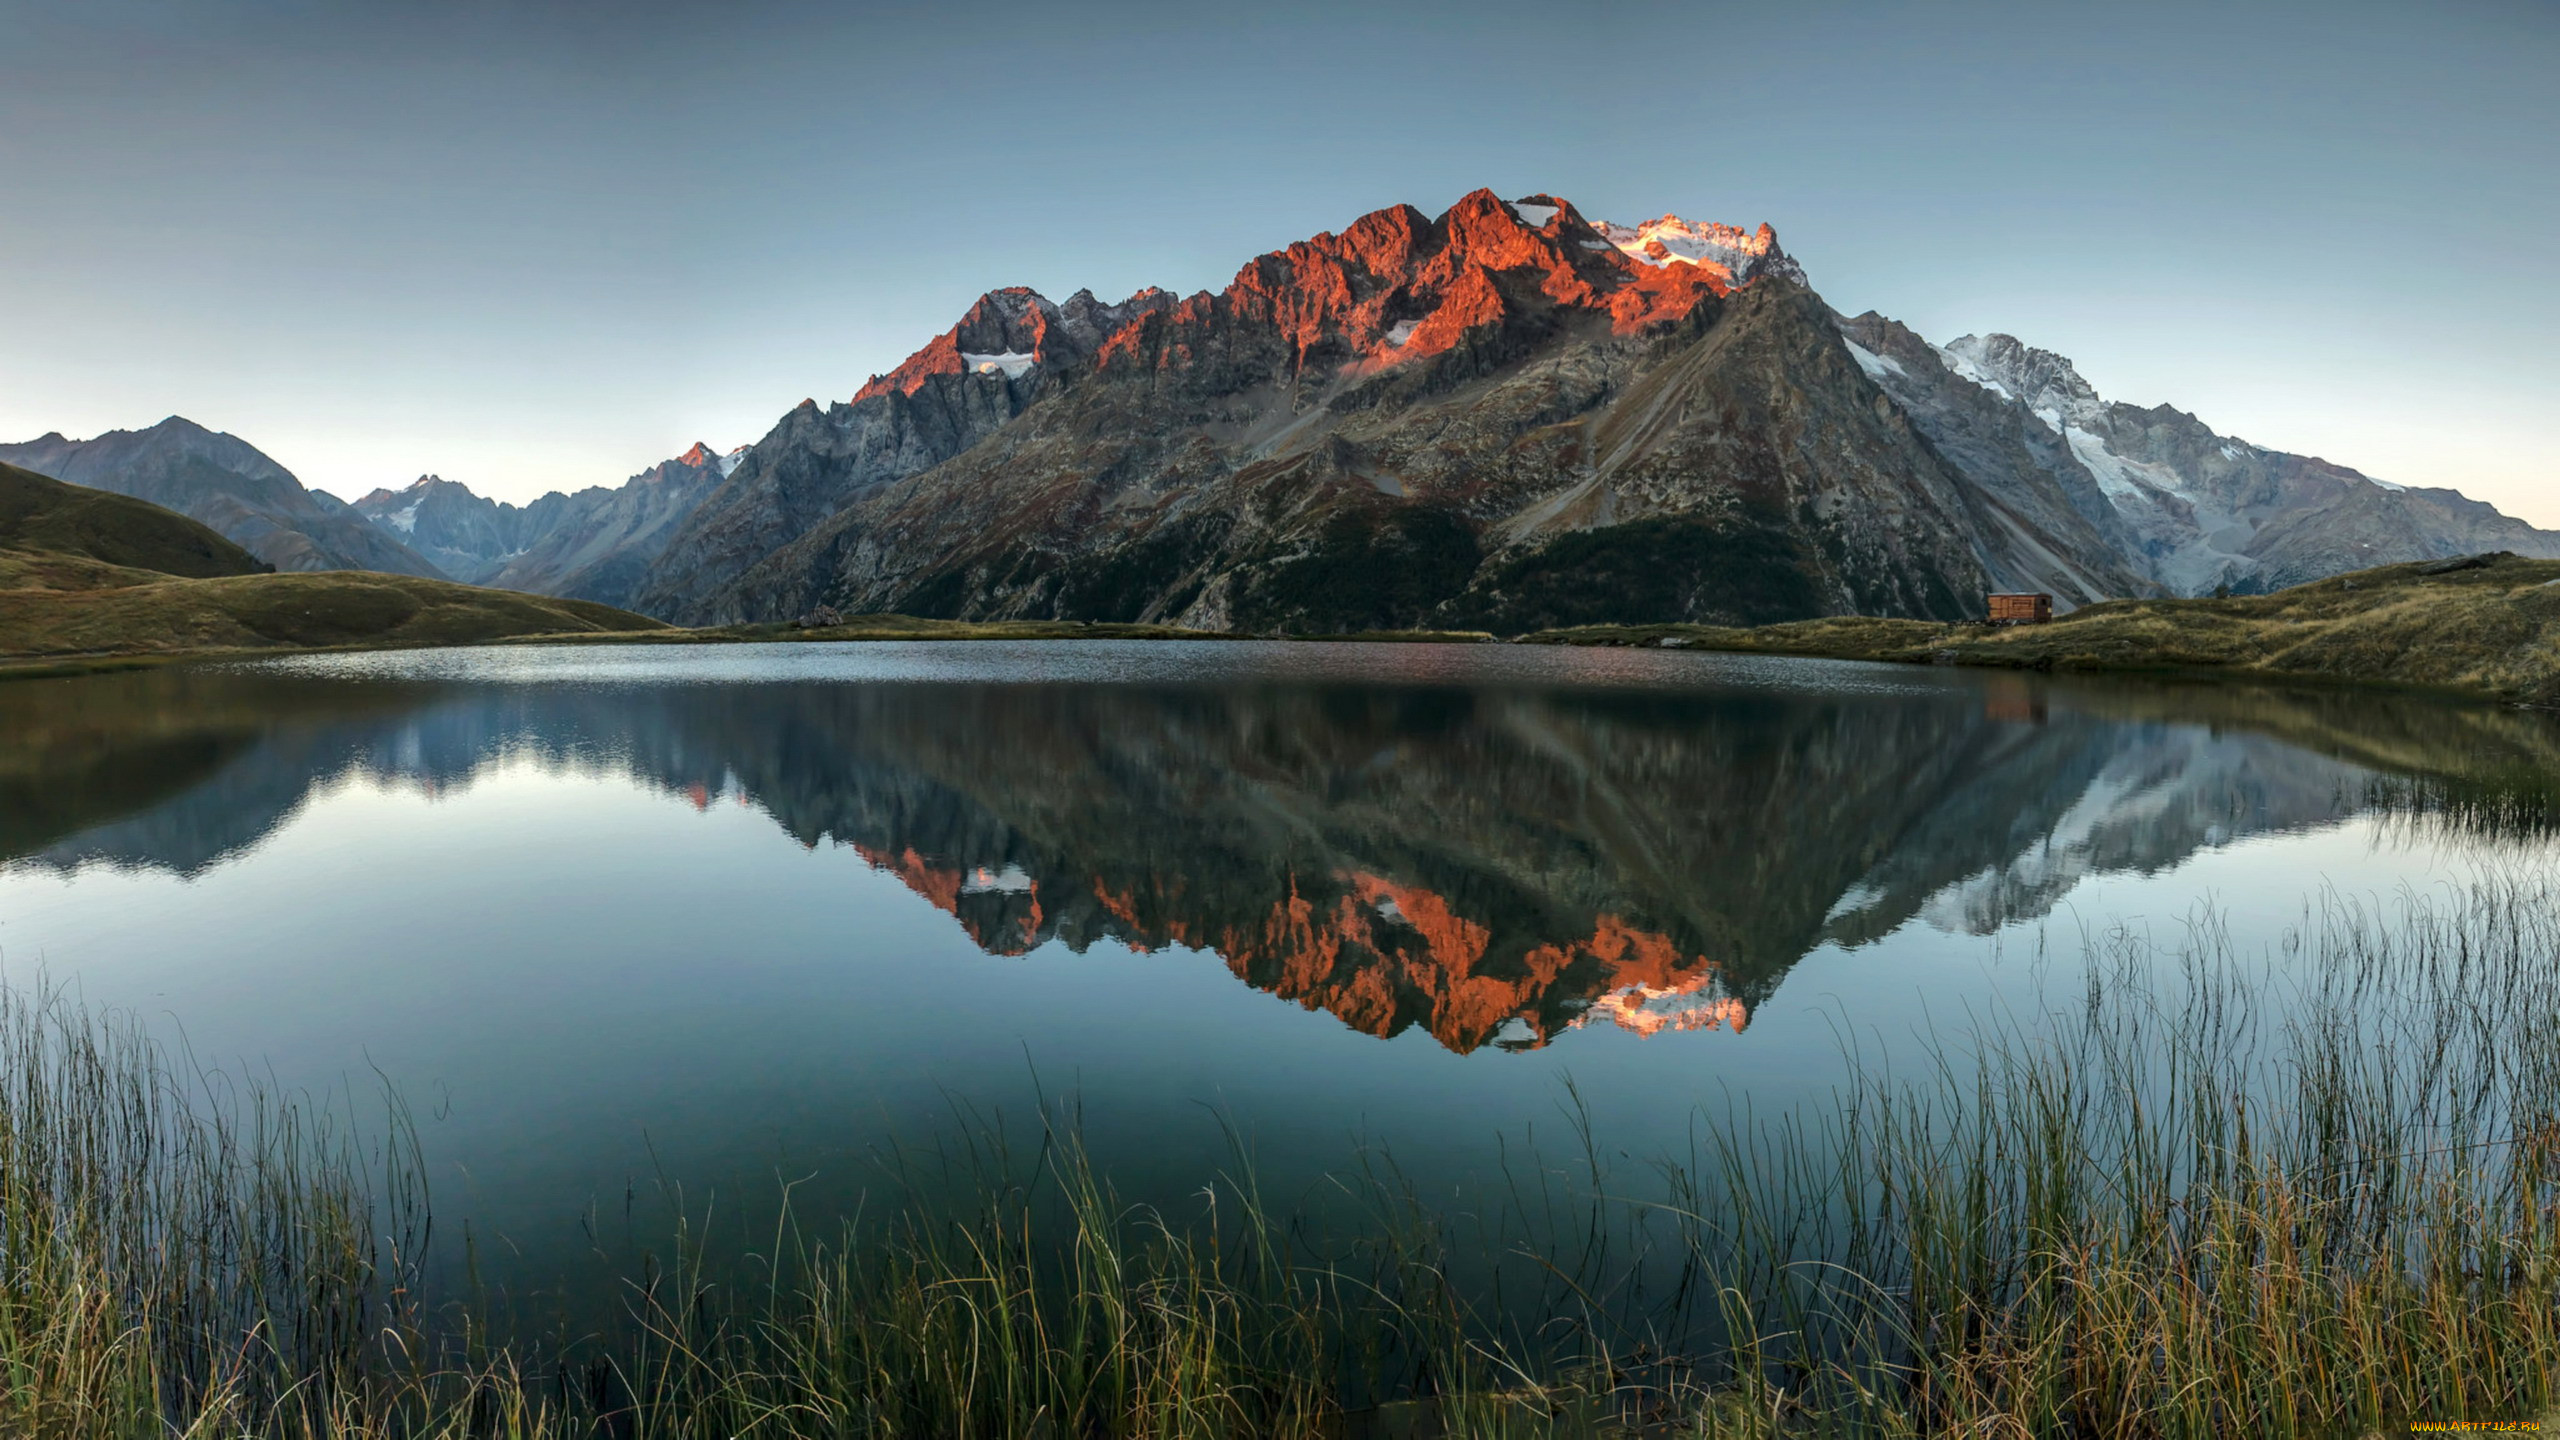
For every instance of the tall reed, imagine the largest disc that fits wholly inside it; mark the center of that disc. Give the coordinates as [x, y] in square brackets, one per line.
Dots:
[2200, 1192]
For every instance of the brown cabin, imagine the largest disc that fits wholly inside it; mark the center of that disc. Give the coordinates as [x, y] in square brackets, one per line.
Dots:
[2021, 609]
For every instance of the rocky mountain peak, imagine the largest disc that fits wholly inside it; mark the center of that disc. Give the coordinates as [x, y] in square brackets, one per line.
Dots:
[1013, 331]
[1734, 255]
[2047, 382]
[384, 494]
[699, 456]
[1394, 286]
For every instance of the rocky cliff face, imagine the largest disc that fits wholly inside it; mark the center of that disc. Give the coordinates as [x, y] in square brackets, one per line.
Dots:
[1505, 416]
[224, 482]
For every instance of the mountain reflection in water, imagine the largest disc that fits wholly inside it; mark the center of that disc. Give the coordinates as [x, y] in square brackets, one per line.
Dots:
[1491, 859]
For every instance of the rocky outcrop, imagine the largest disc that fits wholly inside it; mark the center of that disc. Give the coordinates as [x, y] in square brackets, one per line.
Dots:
[224, 482]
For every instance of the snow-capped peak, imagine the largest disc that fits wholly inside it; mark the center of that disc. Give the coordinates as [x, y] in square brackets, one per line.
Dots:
[2047, 382]
[1739, 254]
[729, 462]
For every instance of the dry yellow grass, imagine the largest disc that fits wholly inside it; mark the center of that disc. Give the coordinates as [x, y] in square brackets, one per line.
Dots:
[2493, 630]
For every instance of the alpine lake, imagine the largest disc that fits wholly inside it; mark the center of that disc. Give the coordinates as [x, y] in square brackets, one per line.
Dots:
[634, 932]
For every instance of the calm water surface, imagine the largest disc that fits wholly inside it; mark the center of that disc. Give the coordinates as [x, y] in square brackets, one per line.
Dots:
[615, 920]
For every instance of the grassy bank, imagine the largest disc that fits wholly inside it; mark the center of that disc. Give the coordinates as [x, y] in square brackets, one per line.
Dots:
[2211, 1195]
[2490, 629]
[56, 612]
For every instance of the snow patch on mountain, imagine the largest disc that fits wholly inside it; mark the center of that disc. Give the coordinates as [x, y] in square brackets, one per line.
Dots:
[405, 519]
[1737, 253]
[729, 462]
[1877, 366]
[1012, 364]
[1966, 369]
[1533, 216]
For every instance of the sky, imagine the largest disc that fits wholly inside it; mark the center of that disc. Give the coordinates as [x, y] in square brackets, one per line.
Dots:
[543, 246]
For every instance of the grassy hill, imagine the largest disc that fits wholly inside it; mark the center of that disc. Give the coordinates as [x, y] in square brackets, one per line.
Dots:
[41, 514]
[2490, 627]
[87, 574]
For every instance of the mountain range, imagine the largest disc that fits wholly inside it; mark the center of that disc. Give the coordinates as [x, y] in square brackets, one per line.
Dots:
[1506, 416]
[595, 544]
[225, 483]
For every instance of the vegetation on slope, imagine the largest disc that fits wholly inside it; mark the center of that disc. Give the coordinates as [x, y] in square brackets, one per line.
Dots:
[2160, 1208]
[2485, 625]
[165, 615]
[86, 573]
[39, 513]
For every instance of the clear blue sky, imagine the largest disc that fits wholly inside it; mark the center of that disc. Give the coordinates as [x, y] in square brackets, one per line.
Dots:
[534, 246]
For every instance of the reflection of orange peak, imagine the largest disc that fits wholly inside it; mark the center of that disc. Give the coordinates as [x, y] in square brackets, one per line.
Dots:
[1456, 943]
[1648, 1010]
[938, 884]
[1300, 950]
[942, 886]
[1123, 907]
[1380, 955]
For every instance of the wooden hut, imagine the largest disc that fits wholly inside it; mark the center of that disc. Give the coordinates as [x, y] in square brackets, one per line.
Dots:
[2021, 609]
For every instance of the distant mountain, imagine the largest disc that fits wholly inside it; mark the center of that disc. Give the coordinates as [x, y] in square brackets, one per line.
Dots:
[2192, 509]
[228, 484]
[591, 545]
[468, 537]
[1506, 416]
[602, 545]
